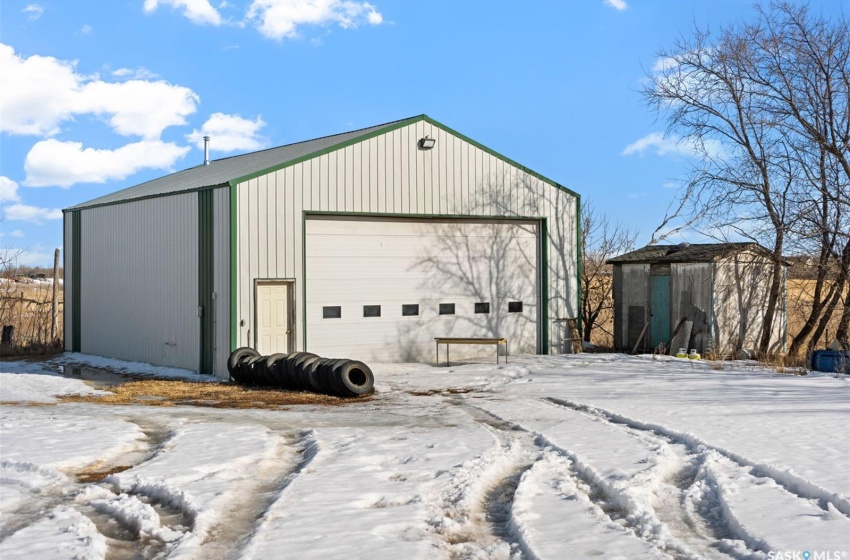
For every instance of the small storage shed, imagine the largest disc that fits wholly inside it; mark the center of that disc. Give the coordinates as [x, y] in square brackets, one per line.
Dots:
[366, 244]
[721, 287]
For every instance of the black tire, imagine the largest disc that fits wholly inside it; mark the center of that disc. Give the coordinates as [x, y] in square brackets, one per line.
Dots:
[331, 378]
[249, 370]
[304, 369]
[355, 379]
[235, 357]
[269, 369]
[291, 369]
[313, 375]
[285, 371]
[322, 376]
[298, 373]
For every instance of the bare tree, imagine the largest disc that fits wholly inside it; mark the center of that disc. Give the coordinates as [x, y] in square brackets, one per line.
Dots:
[765, 107]
[601, 241]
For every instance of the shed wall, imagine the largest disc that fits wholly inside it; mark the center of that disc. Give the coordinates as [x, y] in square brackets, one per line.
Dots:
[387, 174]
[631, 289]
[691, 297]
[741, 287]
[139, 283]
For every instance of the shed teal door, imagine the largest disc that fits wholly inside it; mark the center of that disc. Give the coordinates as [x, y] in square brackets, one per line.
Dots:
[659, 302]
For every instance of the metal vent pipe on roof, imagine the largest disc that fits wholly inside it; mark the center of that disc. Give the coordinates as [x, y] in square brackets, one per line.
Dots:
[206, 150]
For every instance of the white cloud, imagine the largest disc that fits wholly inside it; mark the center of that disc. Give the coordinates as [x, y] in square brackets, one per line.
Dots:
[279, 19]
[33, 11]
[138, 107]
[229, 133]
[16, 233]
[51, 162]
[664, 145]
[27, 213]
[140, 73]
[197, 11]
[8, 190]
[37, 256]
[618, 5]
[86, 29]
[40, 93]
[671, 185]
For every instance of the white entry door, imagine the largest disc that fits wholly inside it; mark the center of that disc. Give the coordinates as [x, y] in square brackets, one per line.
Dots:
[274, 317]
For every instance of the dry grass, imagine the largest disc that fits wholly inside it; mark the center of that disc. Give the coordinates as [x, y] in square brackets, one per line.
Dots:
[28, 307]
[96, 473]
[155, 392]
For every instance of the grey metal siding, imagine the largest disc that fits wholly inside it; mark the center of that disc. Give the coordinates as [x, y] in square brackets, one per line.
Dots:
[140, 291]
[387, 174]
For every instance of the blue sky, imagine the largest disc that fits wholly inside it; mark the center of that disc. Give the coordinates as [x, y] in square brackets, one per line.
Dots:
[98, 96]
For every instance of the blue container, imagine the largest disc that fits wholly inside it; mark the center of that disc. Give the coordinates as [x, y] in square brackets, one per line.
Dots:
[831, 361]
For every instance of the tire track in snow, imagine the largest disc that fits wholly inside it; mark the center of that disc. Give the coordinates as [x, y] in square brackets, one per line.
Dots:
[788, 480]
[474, 514]
[122, 539]
[229, 538]
[627, 499]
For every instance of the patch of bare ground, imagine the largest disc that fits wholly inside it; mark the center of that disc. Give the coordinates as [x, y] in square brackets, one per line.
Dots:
[96, 474]
[158, 392]
[430, 392]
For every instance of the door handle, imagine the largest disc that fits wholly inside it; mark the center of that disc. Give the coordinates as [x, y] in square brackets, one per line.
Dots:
[287, 332]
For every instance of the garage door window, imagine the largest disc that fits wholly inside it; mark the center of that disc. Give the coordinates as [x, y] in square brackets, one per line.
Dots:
[371, 310]
[410, 310]
[332, 312]
[447, 309]
[514, 307]
[482, 307]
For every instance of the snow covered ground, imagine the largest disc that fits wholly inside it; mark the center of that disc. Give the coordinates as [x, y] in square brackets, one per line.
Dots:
[589, 456]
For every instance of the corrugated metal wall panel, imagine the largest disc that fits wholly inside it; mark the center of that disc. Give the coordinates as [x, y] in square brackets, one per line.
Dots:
[140, 290]
[221, 280]
[389, 174]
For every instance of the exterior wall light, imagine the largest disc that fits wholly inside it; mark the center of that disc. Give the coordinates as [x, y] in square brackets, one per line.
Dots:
[426, 143]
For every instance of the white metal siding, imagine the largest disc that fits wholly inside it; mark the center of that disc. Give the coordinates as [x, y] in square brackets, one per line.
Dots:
[221, 280]
[139, 281]
[388, 174]
[68, 282]
[352, 262]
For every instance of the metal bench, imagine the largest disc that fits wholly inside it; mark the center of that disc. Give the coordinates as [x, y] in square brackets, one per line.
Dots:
[450, 341]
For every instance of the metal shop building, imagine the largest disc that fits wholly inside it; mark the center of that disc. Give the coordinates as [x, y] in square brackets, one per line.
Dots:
[366, 244]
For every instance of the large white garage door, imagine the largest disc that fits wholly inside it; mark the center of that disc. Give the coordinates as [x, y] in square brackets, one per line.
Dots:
[381, 289]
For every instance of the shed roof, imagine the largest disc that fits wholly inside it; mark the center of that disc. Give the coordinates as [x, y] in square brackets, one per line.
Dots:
[685, 252]
[222, 171]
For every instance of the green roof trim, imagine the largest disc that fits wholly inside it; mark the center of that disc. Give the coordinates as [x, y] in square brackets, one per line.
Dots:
[389, 128]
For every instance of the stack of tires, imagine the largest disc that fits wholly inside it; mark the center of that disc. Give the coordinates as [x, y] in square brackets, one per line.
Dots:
[301, 371]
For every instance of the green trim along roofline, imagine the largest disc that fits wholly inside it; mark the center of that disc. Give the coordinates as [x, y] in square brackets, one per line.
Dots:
[390, 128]
[357, 139]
